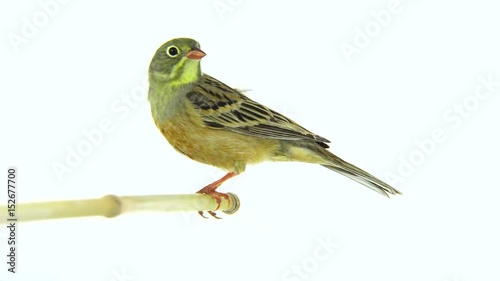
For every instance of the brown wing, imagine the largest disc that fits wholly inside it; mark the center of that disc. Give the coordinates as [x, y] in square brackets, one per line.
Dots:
[222, 107]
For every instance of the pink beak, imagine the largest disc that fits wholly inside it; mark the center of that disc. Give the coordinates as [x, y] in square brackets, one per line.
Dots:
[195, 54]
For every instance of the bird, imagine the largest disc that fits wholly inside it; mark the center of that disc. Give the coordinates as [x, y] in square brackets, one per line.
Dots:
[215, 124]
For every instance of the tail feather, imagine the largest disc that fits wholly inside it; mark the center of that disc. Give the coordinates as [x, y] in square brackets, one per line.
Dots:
[379, 186]
[340, 166]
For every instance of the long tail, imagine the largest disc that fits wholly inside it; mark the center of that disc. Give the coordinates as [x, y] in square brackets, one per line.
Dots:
[340, 166]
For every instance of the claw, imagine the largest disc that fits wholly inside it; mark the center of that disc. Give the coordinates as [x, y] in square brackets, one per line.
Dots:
[210, 190]
[215, 195]
[213, 214]
[202, 215]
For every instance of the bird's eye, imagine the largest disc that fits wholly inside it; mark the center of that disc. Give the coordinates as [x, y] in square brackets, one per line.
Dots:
[173, 51]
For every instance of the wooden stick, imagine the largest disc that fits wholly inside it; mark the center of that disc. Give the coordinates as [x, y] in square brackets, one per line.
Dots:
[112, 206]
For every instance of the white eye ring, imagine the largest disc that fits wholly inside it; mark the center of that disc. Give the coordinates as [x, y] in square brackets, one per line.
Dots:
[172, 51]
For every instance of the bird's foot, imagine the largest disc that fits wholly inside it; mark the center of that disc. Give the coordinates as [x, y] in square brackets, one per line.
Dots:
[210, 191]
[212, 213]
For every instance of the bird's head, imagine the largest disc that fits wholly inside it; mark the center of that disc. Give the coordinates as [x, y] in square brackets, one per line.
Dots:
[177, 62]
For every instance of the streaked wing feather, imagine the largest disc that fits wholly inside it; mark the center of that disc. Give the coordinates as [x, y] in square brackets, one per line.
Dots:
[222, 107]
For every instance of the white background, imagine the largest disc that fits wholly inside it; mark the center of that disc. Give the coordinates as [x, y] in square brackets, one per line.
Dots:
[88, 57]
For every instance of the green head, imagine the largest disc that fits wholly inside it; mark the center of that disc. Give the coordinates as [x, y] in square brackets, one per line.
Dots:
[177, 62]
[173, 70]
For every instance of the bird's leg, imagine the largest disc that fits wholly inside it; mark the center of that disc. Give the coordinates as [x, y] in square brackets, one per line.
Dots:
[211, 191]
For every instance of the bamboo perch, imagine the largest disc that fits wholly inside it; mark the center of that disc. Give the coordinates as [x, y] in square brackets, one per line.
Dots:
[111, 206]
